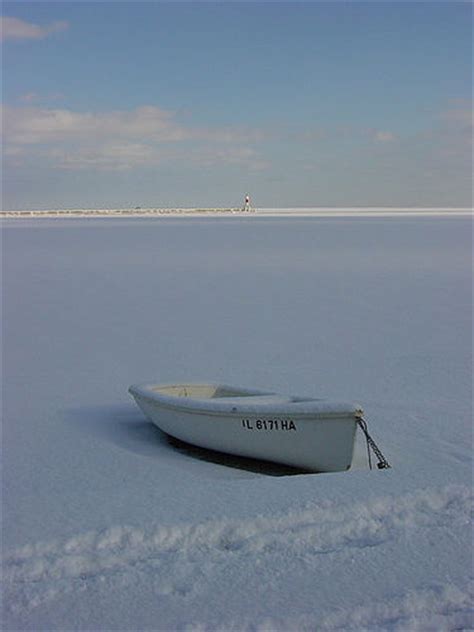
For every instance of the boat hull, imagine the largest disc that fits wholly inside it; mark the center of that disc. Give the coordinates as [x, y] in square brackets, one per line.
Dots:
[273, 430]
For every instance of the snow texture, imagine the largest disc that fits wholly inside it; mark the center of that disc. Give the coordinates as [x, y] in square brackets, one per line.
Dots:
[109, 525]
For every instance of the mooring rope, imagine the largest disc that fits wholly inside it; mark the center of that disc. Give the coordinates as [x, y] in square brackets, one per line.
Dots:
[383, 463]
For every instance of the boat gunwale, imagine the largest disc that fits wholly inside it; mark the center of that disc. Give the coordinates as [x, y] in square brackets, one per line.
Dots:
[208, 406]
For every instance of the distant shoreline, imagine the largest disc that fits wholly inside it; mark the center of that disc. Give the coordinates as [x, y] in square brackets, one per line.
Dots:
[261, 212]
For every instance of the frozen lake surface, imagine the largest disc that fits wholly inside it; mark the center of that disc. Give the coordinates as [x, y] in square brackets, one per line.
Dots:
[107, 525]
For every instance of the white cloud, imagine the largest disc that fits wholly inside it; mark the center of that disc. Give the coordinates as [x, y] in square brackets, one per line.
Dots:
[228, 135]
[384, 137]
[123, 139]
[29, 97]
[459, 121]
[34, 97]
[31, 125]
[211, 156]
[109, 157]
[16, 29]
[455, 134]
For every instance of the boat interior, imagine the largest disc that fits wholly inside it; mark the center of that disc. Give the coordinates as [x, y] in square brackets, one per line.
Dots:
[222, 392]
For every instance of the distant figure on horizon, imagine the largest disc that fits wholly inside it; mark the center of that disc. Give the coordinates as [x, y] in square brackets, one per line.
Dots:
[247, 203]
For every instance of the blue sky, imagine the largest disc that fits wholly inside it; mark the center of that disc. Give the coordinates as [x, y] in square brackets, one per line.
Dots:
[112, 104]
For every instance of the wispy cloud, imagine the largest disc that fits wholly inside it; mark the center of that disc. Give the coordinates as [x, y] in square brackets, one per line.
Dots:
[384, 136]
[212, 156]
[459, 118]
[32, 125]
[108, 157]
[124, 139]
[455, 133]
[34, 97]
[16, 29]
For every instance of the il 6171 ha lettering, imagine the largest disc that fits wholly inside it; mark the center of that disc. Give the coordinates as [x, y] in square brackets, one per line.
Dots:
[268, 424]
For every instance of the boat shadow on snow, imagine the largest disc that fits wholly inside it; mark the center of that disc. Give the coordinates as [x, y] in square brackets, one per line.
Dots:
[123, 427]
[229, 460]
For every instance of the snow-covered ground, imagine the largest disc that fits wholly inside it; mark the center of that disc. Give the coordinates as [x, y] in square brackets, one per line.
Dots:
[109, 526]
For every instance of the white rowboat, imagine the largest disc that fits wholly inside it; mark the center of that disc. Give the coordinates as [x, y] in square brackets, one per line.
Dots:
[307, 433]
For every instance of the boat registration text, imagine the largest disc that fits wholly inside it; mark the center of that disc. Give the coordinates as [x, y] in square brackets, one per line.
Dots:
[268, 424]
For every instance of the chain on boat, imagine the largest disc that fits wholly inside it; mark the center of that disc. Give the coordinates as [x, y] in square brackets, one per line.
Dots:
[382, 464]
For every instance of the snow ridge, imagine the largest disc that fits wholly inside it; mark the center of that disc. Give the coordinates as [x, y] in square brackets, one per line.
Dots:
[444, 608]
[178, 555]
